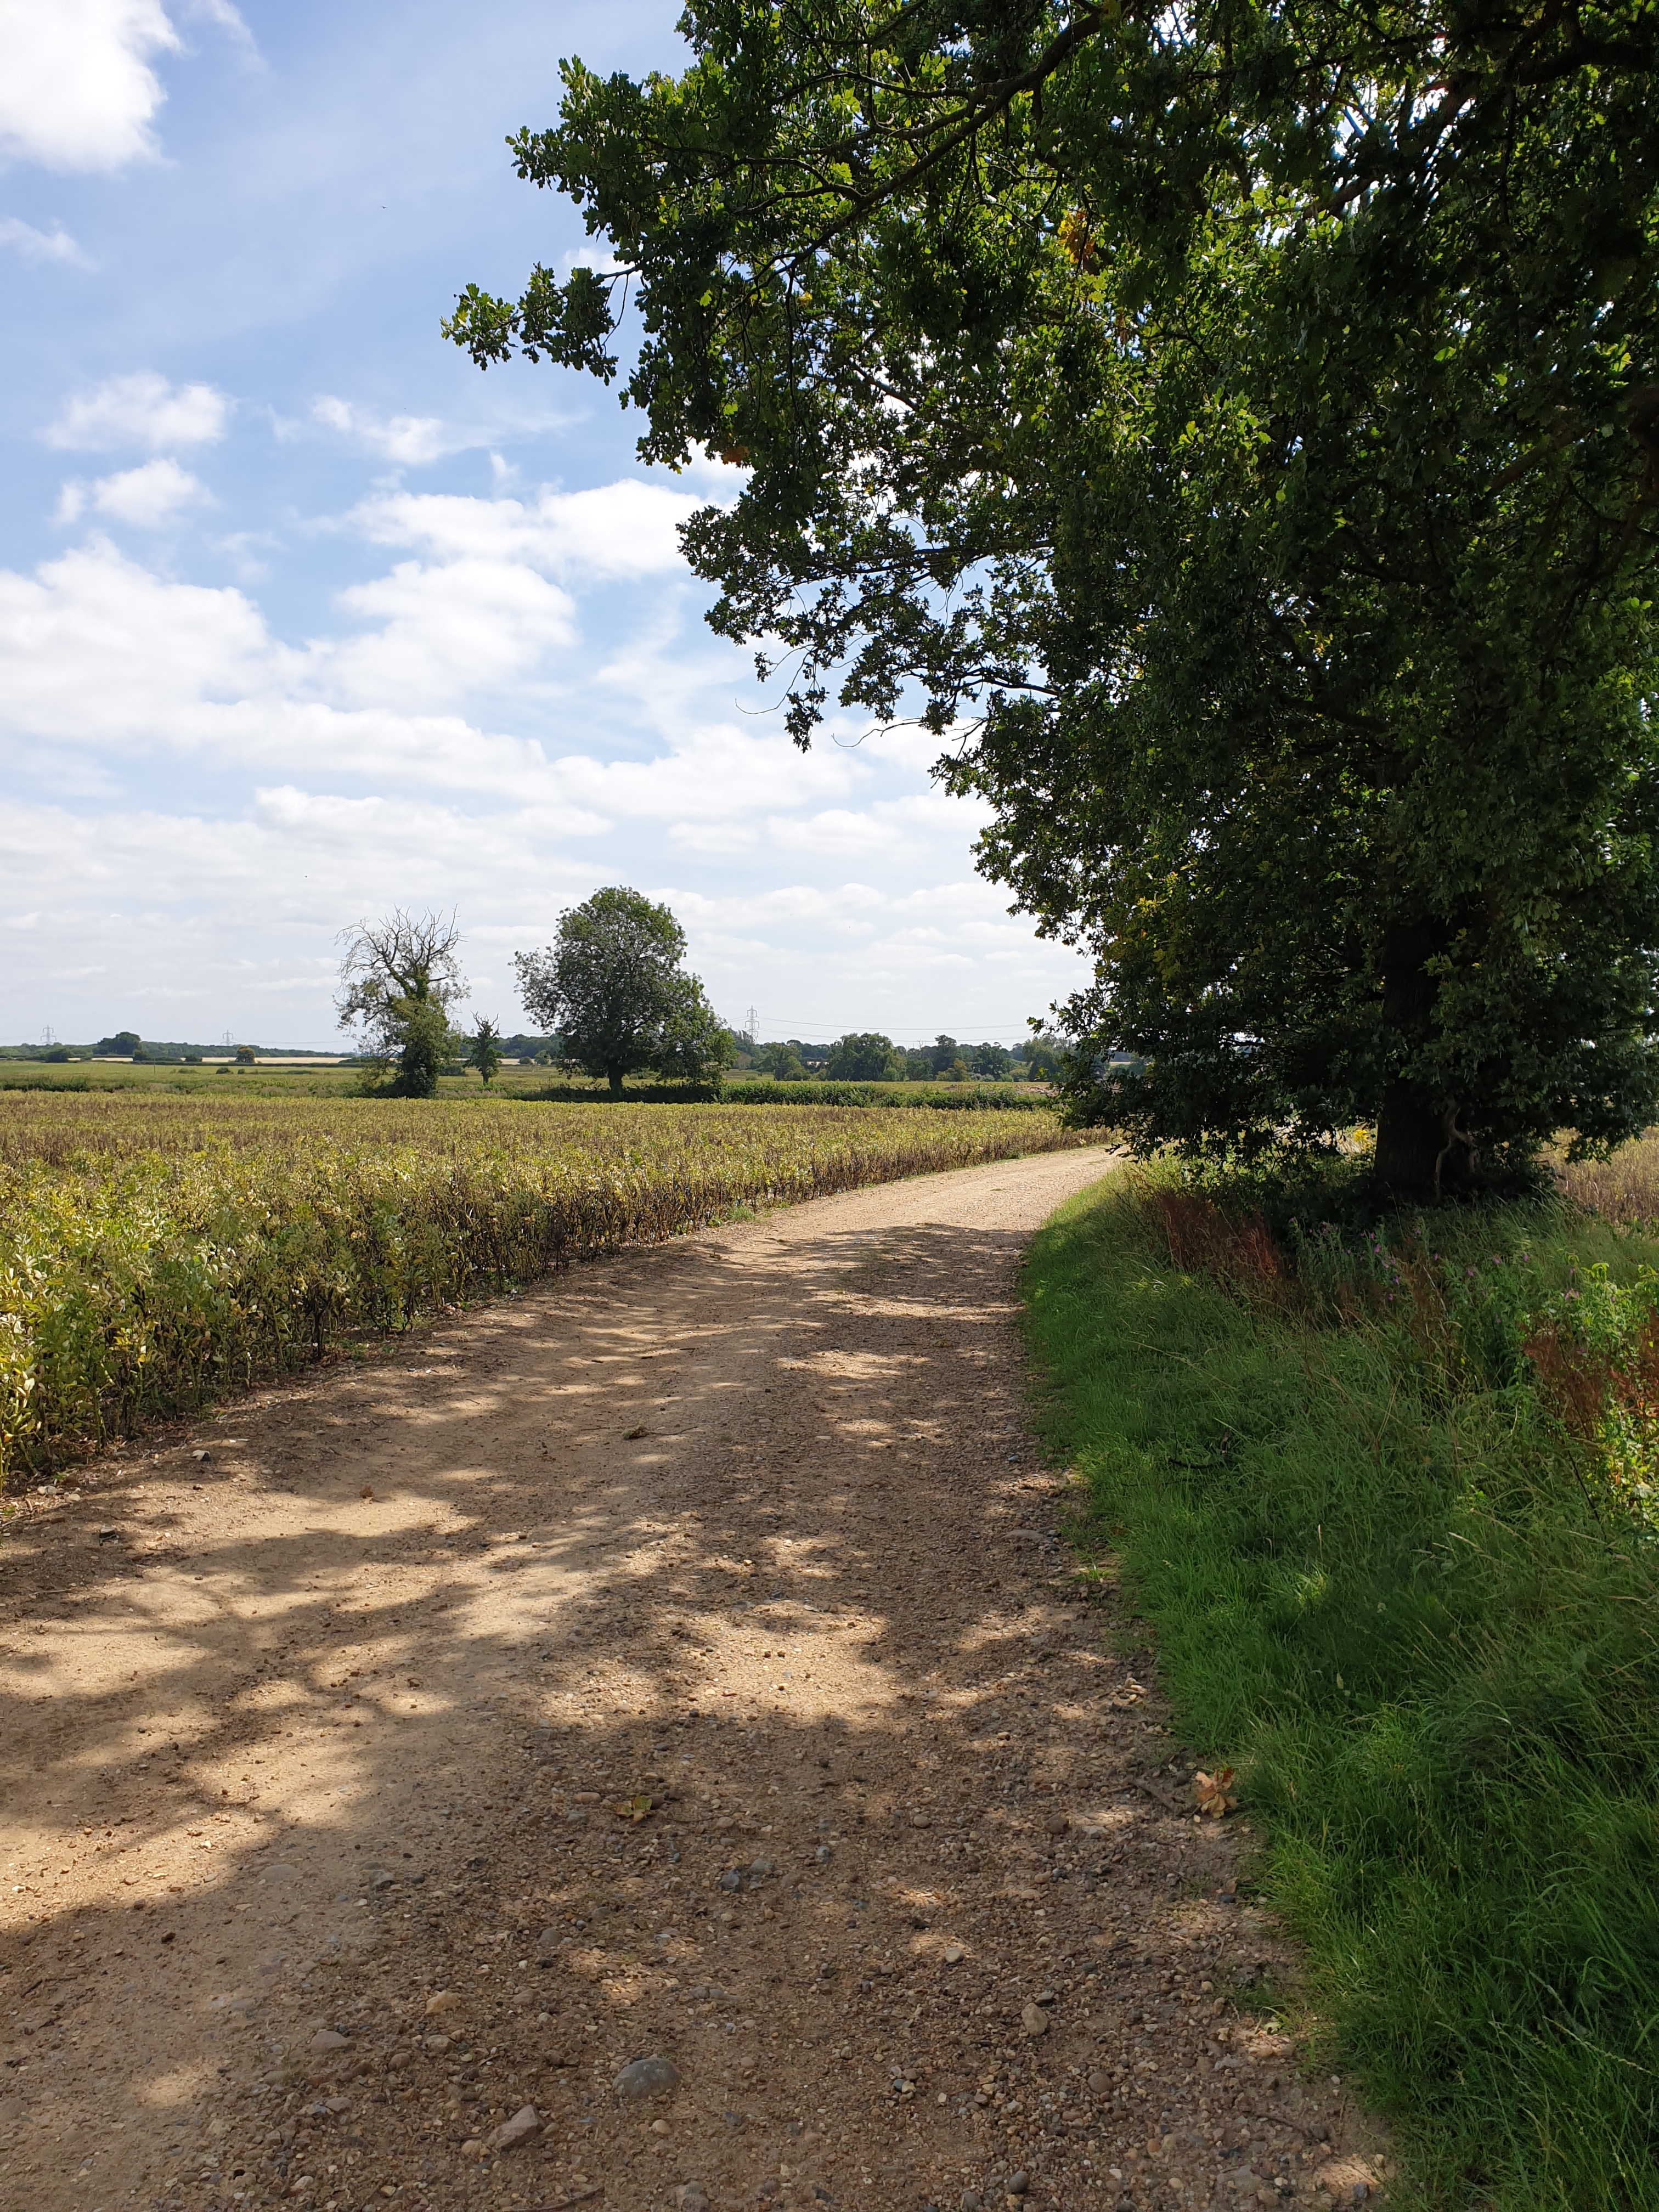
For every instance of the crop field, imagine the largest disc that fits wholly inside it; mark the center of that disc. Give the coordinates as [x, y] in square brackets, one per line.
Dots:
[220, 1084]
[156, 1249]
[1625, 1189]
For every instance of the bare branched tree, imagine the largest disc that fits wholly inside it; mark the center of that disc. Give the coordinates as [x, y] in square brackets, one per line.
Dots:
[399, 976]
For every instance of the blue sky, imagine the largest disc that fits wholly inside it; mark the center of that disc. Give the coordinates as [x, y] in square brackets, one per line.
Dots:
[301, 617]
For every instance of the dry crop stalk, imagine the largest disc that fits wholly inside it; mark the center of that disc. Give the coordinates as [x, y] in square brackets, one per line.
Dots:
[155, 1253]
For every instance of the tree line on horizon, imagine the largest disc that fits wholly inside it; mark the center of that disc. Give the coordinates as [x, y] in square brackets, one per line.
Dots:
[613, 998]
[858, 1056]
[868, 1057]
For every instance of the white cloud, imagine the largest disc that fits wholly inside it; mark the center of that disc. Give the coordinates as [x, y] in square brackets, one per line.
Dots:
[900, 745]
[224, 17]
[941, 954]
[709, 839]
[888, 826]
[622, 531]
[447, 630]
[338, 784]
[292, 856]
[709, 774]
[97, 651]
[53, 245]
[77, 90]
[601, 262]
[140, 410]
[245, 550]
[482, 612]
[145, 497]
[94, 647]
[410, 440]
[836, 829]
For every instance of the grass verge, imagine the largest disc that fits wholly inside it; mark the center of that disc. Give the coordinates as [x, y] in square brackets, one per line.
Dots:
[1384, 1497]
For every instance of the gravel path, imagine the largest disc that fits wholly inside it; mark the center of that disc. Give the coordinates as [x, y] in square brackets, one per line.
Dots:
[679, 1662]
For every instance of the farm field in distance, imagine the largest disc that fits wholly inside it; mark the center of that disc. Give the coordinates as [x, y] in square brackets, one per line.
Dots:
[299, 1077]
[157, 1249]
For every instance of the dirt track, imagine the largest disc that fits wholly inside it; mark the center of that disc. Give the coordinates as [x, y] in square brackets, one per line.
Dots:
[314, 1748]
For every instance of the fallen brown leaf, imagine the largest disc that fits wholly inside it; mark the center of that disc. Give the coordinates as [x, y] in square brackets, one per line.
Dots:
[1210, 1791]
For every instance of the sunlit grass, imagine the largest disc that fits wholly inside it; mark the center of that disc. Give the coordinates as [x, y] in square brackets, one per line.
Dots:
[1397, 1589]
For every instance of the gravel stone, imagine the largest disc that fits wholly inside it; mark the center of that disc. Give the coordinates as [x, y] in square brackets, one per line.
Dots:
[647, 2077]
[524, 2126]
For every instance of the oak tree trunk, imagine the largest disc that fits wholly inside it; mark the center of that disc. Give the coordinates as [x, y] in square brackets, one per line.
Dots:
[1421, 1152]
[1408, 1141]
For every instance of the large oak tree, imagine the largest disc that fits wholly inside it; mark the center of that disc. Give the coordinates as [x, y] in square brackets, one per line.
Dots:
[613, 985]
[1234, 428]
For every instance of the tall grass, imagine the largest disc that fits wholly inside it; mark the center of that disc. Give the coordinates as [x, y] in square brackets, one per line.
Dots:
[1384, 1496]
[1624, 1189]
[154, 1250]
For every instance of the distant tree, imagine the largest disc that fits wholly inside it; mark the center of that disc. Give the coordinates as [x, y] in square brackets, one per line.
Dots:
[246, 1056]
[990, 1061]
[1043, 1056]
[863, 1056]
[483, 1049]
[697, 1046]
[782, 1061]
[941, 1053]
[399, 976]
[613, 985]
